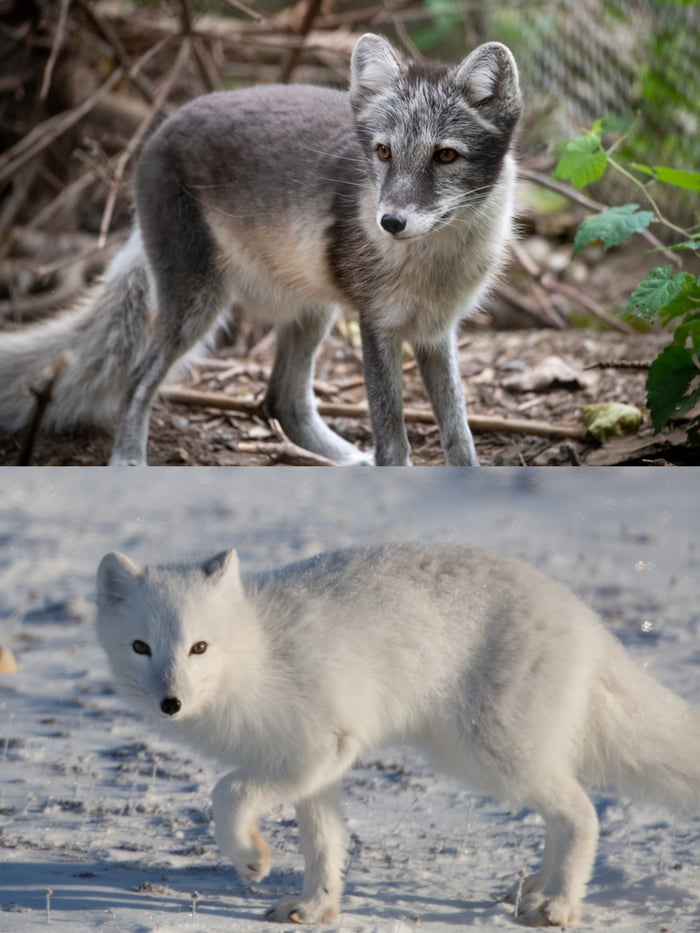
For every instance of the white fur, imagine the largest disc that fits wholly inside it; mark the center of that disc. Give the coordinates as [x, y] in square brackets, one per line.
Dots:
[499, 673]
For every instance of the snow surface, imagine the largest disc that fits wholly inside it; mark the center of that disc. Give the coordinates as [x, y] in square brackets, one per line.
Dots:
[115, 821]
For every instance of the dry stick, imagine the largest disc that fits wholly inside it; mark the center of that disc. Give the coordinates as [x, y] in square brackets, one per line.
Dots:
[224, 402]
[401, 31]
[568, 291]
[292, 57]
[283, 450]
[619, 364]
[46, 132]
[49, 268]
[209, 80]
[73, 190]
[523, 258]
[532, 308]
[15, 200]
[109, 34]
[371, 15]
[135, 140]
[573, 195]
[43, 395]
[242, 8]
[55, 49]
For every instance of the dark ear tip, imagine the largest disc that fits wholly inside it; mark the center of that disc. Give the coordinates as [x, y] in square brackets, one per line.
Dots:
[219, 562]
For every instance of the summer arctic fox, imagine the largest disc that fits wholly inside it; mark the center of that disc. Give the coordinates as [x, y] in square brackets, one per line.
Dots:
[499, 673]
[394, 201]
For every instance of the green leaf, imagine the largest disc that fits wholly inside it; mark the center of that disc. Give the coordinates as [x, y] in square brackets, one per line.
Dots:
[583, 161]
[617, 124]
[672, 176]
[670, 376]
[658, 290]
[693, 243]
[686, 303]
[689, 330]
[612, 226]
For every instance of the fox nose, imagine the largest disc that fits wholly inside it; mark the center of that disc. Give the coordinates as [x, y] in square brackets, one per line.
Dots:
[170, 706]
[393, 223]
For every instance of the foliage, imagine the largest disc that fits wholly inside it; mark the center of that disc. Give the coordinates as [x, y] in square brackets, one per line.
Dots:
[671, 298]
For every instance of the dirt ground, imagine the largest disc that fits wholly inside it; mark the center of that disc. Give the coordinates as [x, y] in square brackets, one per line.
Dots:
[191, 436]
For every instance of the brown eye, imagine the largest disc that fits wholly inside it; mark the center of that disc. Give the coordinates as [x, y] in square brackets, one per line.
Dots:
[140, 647]
[384, 152]
[446, 156]
[199, 647]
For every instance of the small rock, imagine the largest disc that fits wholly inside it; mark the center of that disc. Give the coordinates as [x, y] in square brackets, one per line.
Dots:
[611, 419]
[8, 665]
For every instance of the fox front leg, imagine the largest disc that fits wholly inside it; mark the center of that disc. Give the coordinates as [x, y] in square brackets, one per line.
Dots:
[321, 840]
[381, 357]
[439, 366]
[236, 813]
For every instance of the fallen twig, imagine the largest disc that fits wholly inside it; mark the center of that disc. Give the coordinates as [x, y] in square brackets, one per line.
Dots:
[55, 49]
[546, 310]
[43, 394]
[479, 423]
[110, 35]
[619, 364]
[50, 129]
[293, 53]
[135, 140]
[574, 294]
[283, 450]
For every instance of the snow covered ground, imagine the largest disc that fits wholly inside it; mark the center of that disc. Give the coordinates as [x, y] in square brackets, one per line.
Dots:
[115, 821]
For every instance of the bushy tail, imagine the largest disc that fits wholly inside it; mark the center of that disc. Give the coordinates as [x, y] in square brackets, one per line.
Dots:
[643, 739]
[101, 338]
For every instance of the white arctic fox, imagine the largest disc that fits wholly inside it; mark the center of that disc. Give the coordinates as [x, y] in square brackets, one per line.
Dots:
[496, 671]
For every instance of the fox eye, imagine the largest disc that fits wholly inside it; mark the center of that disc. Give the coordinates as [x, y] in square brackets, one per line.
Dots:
[140, 647]
[199, 647]
[446, 156]
[384, 152]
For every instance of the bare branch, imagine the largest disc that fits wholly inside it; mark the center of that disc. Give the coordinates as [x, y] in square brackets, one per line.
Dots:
[224, 402]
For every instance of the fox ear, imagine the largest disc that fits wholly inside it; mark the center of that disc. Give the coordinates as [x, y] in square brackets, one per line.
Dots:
[222, 565]
[115, 576]
[489, 80]
[374, 64]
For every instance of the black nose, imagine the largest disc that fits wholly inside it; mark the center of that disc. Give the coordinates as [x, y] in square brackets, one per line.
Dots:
[171, 705]
[393, 223]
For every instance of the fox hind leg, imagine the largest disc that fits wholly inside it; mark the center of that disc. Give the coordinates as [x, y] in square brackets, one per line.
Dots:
[190, 293]
[290, 397]
[555, 893]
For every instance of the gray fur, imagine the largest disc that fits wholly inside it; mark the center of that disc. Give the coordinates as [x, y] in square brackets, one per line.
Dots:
[273, 197]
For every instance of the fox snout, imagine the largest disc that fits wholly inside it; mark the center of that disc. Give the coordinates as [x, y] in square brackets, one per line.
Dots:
[170, 705]
[393, 223]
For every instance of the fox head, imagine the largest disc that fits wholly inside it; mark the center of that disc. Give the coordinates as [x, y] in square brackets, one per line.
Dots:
[168, 631]
[435, 136]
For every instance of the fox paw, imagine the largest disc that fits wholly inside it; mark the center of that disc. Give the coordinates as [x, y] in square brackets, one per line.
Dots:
[296, 909]
[538, 910]
[253, 862]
